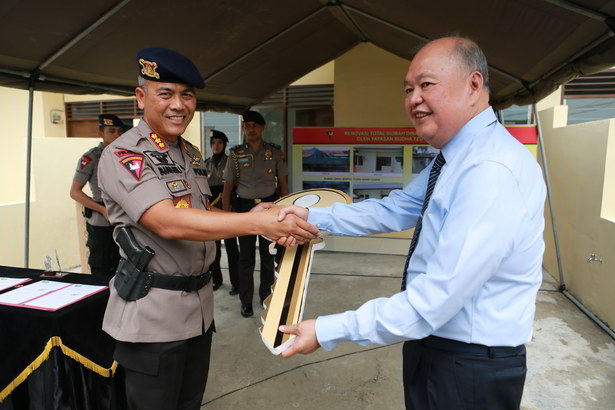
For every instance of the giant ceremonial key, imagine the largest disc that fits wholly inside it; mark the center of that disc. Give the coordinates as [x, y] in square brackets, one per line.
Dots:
[285, 305]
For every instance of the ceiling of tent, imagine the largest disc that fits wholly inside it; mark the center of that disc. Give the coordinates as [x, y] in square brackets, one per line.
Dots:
[247, 50]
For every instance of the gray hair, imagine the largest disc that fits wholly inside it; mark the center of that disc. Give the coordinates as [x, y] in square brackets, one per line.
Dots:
[468, 53]
[142, 83]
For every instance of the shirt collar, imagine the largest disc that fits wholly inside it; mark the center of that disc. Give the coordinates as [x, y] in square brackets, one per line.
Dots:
[463, 138]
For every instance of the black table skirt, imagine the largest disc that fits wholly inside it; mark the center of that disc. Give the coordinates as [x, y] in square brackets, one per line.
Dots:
[61, 359]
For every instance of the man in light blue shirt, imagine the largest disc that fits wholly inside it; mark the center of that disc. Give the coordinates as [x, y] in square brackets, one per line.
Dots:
[469, 294]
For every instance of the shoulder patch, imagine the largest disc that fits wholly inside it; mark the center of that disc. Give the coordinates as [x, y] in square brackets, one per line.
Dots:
[122, 153]
[133, 164]
[158, 141]
[85, 160]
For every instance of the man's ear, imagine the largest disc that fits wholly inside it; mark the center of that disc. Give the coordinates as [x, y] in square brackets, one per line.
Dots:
[99, 132]
[140, 94]
[477, 82]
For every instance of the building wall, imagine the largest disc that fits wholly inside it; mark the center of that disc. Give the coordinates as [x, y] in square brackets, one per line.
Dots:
[369, 88]
[581, 160]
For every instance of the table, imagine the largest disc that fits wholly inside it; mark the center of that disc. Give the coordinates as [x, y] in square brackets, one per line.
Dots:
[61, 359]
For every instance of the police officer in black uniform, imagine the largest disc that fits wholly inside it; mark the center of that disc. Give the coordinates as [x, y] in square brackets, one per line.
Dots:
[258, 171]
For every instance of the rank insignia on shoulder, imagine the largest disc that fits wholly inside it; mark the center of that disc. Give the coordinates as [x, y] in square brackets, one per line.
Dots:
[149, 68]
[268, 155]
[158, 142]
[134, 165]
[195, 160]
[176, 186]
[183, 202]
[85, 160]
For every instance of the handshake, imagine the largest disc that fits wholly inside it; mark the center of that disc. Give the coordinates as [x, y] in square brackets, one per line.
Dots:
[286, 225]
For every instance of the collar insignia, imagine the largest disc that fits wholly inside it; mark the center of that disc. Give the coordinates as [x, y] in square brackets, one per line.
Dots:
[158, 142]
[149, 68]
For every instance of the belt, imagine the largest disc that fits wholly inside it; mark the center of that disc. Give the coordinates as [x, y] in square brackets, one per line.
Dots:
[269, 198]
[183, 283]
[473, 349]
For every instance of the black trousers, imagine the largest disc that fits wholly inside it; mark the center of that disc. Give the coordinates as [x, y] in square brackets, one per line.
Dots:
[104, 252]
[247, 258]
[165, 376]
[232, 254]
[446, 374]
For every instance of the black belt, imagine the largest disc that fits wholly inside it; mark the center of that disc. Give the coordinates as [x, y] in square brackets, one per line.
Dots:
[473, 349]
[183, 283]
[254, 201]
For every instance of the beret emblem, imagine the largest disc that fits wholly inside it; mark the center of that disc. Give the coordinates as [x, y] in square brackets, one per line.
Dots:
[149, 68]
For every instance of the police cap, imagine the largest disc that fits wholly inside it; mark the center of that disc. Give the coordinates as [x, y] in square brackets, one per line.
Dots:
[253, 116]
[219, 135]
[110, 120]
[167, 66]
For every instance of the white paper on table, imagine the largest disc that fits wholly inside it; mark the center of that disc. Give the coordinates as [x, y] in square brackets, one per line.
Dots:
[65, 296]
[6, 283]
[29, 292]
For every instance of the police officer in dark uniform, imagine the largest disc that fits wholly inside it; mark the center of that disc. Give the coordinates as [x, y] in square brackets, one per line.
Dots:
[215, 168]
[154, 184]
[258, 171]
[104, 253]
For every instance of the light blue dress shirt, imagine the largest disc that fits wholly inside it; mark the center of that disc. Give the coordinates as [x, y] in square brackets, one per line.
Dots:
[477, 266]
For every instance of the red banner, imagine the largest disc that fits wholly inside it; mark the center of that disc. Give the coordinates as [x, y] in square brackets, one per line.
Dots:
[376, 135]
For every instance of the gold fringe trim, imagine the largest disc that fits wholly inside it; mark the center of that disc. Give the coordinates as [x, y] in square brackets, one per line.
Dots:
[56, 341]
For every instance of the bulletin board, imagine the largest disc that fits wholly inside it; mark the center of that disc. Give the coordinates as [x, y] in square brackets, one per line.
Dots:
[367, 162]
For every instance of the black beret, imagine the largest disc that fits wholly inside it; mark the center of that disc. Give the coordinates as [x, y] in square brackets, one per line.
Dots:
[219, 135]
[253, 116]
[110, 120]
[167, 66]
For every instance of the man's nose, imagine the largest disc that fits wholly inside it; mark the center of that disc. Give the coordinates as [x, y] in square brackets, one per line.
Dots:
[415, 98]
[176, 102]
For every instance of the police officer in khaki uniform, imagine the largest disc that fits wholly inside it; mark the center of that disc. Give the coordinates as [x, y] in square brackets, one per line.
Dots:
[258, 170]
[215, 168]
[154, 185]
[104, 253]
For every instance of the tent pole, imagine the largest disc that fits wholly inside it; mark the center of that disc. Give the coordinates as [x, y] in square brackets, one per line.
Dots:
[545, 169]
[28, 169]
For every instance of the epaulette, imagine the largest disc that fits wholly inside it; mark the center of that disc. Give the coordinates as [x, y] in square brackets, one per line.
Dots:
[236, 147]
[271, 144]
[188, 143]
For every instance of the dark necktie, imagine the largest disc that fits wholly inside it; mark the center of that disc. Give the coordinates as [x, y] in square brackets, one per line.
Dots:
[433, 178]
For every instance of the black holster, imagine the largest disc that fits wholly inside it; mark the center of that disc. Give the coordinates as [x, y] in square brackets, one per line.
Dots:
[130, 282]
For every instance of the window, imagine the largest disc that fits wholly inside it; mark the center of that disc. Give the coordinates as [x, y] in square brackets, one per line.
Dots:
[382, 162]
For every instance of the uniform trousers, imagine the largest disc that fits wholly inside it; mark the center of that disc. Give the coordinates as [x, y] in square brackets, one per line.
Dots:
[232, 253]
[446, 374]
[165, 376]
[247, 255]
[104, 252]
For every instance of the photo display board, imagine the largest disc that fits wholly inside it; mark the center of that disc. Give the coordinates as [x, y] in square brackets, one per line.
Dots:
[366, 162]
